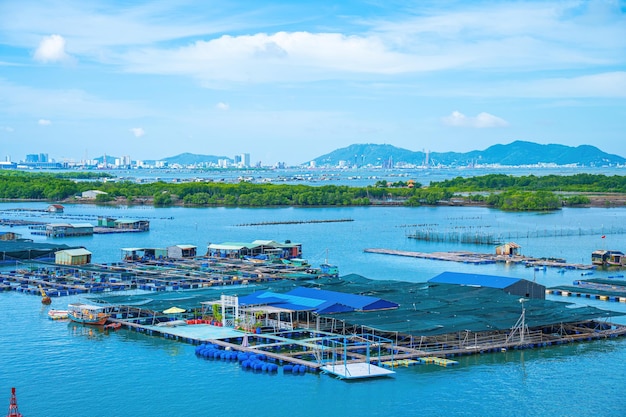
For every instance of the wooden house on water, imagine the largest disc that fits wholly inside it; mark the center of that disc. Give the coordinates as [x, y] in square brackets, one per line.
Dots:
[124, 224]
[608, 258]
[181, 251]
[79, 256]
[511, 249]
[143, 254]
[267, 249]
[68, 229]
[55, 208]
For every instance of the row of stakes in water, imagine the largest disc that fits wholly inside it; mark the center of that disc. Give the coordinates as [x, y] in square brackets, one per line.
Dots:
[247, 360]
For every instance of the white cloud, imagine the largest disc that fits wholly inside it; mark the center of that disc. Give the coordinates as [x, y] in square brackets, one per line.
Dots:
[482, 120]
[52, 49]
[283, 57]
[7, 129]
[44, 122]
[138, 132]
[222, 106]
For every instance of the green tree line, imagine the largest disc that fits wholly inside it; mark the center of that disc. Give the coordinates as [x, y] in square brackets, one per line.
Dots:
[576, 183]
[495, 190]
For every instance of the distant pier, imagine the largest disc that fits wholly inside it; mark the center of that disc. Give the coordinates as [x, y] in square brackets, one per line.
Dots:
[270, 223]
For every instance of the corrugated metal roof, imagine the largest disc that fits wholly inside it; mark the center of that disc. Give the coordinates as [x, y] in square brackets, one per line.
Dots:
[233, 246]
[81, 225]
[275, 244]
[459, 278]
[186, 246]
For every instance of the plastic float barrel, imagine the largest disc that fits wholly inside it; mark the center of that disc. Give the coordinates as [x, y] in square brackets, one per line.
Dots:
[287, 368]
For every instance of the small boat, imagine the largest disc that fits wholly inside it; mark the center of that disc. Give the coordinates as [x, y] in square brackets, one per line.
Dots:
[57, 314]
[87, 314]
[113, 326]
[297, 262]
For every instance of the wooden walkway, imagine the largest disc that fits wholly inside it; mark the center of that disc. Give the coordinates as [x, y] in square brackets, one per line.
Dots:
[482, 258]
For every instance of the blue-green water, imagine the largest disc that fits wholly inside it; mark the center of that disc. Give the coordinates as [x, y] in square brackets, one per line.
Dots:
[61, 369]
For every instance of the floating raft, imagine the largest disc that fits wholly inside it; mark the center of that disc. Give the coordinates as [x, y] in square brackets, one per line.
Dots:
[357, 370]
[598, 289]
[481, 258]
[398, 363]
[437, 361]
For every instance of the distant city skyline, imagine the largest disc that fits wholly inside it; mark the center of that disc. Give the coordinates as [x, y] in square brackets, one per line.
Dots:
[289, 81]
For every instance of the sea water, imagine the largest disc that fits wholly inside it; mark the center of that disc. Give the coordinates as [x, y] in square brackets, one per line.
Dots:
[64, 369]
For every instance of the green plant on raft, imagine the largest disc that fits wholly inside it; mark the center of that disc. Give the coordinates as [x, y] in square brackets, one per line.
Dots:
[217, 314]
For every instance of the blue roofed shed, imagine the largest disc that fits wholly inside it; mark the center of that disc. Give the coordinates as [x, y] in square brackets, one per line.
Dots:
[301, 305]
[515, 286]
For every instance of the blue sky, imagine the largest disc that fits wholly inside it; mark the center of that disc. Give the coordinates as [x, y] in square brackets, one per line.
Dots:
[288, 81]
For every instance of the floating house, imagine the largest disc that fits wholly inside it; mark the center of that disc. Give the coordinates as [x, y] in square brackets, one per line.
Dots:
[181, 251]
[79, 256]
[608, 258]
[124, 224]
[55, 208]
[262, 249]
[513, 286]
[511, 249]
[143, 254]
[68, 229]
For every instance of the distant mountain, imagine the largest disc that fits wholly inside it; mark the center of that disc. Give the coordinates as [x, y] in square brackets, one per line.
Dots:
[190, 159]
[514, 154]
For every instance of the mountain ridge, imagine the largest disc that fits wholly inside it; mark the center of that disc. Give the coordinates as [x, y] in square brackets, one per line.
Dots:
[513, 154]
[516, 153]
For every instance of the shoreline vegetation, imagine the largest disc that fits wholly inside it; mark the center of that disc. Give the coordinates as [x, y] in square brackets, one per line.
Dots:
[500, 191]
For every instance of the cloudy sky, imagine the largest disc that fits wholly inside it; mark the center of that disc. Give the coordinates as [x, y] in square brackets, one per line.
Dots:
[288, 81]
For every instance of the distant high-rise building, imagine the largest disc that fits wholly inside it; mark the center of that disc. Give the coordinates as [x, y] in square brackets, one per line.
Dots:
[36, 158]
[245, 159]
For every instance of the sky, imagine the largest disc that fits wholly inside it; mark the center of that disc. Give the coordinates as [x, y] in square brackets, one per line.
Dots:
[289, 81]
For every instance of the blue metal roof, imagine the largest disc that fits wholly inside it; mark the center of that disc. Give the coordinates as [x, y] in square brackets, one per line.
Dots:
[459, 278]
[320, 301]
[358, 302]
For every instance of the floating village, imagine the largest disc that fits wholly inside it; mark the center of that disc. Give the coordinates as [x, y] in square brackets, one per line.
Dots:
[262, 305]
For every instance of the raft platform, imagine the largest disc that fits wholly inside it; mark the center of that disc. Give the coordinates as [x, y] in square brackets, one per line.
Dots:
[357, 370]
[597, 289]
[478, 258]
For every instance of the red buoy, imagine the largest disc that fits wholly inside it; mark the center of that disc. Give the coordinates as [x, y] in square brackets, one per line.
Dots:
[13, 411]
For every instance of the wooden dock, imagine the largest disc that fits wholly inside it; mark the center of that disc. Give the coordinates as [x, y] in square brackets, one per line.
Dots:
[483, 258]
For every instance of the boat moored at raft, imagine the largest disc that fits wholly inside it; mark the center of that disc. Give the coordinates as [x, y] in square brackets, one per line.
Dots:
[87, 314]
